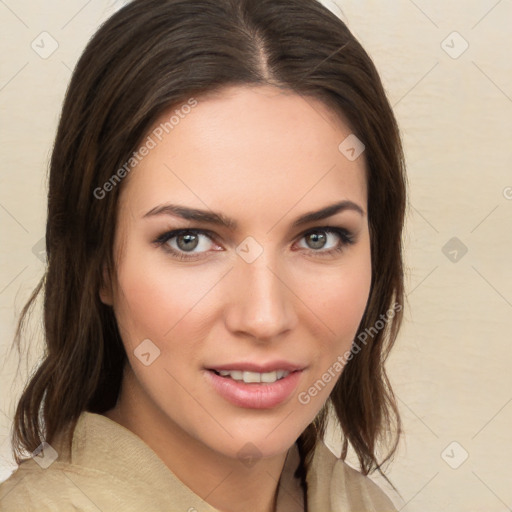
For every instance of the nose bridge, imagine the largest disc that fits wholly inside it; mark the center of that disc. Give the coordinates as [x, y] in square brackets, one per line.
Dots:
[261, 304]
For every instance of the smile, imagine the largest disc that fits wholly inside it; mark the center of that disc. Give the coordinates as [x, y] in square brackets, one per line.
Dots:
[253, 389]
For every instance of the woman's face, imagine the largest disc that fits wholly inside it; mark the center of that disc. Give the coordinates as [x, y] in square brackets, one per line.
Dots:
[257, 286]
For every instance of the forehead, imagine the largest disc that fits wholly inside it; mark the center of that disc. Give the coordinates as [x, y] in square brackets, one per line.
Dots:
[248, 146]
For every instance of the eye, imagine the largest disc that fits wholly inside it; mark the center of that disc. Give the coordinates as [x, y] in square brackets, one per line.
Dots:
[327, 240]
[182, 243]
[191, 244]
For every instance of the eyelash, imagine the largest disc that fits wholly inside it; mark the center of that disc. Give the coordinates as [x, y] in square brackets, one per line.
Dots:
[345, 236]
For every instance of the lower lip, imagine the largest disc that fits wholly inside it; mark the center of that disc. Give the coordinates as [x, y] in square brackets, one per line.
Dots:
[254, 395]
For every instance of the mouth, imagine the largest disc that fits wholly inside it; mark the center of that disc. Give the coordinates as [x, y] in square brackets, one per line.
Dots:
[253, 386]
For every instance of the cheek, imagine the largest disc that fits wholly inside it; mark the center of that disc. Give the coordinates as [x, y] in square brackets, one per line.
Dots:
[153, 298]
[339, 297]
[161, 304]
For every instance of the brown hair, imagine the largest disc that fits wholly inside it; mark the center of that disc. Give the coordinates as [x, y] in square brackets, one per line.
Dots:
[148, 57]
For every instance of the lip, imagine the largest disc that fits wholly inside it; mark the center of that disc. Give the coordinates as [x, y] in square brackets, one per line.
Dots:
[254, 395]
[251, 366]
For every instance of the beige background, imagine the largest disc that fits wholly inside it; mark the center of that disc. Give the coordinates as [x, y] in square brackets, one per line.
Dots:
[451, 365]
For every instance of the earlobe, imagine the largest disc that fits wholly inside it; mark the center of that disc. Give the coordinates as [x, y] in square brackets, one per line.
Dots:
[105, 291]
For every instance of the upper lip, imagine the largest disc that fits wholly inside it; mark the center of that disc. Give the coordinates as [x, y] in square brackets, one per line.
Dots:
[247, 366]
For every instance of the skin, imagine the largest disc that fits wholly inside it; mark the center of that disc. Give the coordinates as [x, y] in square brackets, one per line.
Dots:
[265, 168]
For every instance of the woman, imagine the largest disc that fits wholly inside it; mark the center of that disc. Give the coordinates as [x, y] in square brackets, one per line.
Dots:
[226, 202]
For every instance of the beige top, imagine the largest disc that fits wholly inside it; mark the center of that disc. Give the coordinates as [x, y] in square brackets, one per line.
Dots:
[112, 469]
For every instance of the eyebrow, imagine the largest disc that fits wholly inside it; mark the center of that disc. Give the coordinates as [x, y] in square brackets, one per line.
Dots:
[219, 219]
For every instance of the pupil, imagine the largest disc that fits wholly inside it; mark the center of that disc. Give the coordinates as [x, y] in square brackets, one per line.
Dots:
[188, 238]
[318, 240]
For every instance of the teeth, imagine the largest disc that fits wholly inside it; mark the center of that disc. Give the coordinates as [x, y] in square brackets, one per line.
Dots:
[268, 377]
[249, 377]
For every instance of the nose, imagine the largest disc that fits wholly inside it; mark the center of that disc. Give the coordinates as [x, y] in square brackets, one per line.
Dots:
[261, 302]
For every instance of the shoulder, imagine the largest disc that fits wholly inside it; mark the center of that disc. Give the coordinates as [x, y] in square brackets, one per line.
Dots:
[32, 488]
[109, 468]
[65, 486]
[338, 486]
[54, 481]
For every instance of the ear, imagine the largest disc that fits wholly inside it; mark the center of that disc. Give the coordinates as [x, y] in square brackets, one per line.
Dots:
[105, 291]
